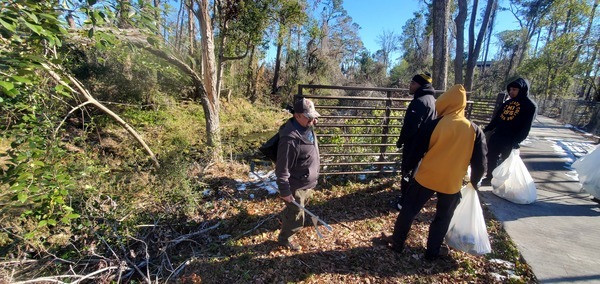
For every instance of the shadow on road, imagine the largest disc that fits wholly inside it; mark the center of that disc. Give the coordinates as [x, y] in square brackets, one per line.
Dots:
[543, 207]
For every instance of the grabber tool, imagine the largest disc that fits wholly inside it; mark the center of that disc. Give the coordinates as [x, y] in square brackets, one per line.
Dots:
[314, 218]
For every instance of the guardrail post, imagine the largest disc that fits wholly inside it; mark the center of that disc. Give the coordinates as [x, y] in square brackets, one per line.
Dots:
[499, 100]
[385, 130]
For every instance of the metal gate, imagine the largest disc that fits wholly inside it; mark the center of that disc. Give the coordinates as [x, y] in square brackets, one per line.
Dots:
[359, 127]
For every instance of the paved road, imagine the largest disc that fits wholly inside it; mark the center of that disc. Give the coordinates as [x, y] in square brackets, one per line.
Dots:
[559, 234]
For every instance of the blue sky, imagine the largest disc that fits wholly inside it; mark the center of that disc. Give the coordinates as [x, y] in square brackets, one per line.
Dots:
[375, 16]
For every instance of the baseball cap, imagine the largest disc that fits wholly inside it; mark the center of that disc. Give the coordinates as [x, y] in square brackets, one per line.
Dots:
[307, 107]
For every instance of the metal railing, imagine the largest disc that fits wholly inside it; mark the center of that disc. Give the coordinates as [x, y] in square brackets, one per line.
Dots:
[358, 130]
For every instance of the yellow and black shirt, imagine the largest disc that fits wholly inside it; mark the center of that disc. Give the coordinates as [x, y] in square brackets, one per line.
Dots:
[512, 122]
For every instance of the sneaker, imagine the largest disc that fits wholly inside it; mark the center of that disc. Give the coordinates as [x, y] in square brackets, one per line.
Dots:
[399, 248]
[396, 247]
[395, 204]
[444, 251]
[289, 245]
[486, 182]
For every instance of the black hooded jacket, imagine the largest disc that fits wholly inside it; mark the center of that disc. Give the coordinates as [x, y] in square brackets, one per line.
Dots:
[513, 120]
[420, 110]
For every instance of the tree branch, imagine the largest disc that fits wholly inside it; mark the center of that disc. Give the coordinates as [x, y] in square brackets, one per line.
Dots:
[55, 279]
[188, 236]
[91, 100]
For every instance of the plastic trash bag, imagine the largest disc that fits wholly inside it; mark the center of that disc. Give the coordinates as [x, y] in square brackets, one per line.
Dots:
[467, 231]
[511, 180]
[588, 171]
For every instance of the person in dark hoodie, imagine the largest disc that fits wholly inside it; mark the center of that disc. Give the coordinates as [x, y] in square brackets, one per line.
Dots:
[296, 168]
[445, 147]
[510, 125]
[420, 110]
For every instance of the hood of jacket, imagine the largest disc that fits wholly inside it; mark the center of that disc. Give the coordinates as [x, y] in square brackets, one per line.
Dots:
[453, 101]
[424, 90]
[522, 84]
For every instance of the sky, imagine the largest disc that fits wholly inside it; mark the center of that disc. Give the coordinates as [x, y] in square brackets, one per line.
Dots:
[376, 16]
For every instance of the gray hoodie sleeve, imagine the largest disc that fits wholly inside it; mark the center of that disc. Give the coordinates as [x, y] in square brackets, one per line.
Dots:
[286, 157]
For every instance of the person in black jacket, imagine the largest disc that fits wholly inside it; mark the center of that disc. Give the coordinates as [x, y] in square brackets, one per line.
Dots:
[444, 149]
[510, 125]
[420, 111]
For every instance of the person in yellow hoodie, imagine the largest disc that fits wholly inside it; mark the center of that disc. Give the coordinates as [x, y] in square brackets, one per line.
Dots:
[444, 147]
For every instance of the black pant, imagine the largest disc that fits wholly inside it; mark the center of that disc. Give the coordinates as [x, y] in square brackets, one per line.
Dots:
[498, 151]
[416, 197]
[404, 182]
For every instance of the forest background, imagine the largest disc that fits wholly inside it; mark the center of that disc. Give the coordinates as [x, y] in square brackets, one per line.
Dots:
[120, 113]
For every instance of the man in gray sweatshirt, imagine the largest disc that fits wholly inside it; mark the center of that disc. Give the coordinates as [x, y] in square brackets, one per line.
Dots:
[297, 167]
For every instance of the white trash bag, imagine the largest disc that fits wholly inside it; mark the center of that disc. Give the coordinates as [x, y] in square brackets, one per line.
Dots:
[467, 231]
[588, 171]
[512, 181]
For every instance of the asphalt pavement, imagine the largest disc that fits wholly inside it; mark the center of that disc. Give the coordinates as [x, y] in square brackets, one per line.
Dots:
[559, 234]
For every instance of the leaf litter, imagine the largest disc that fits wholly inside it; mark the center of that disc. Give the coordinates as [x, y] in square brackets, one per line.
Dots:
[352, 253]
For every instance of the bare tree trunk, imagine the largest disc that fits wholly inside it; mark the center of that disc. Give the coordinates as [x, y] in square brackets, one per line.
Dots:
[475, 44]
[590, 69]
[511, 64]
[460, 20]
[70, 20]
[489, 37]
[123, 22]
[250, 83]
[441, 16]
[157, 14]
[527, 36]
[179, 27]
[277, 67]
[191, 29]
[209, 80]
[586, 34]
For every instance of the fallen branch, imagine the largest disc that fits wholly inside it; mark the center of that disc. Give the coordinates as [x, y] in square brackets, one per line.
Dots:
[91, 100]
[177, 270]
[146, 259]
[341, 223]
[260, 223]
[68, 114]
[55, 279]
[189, 236]
[17, 262]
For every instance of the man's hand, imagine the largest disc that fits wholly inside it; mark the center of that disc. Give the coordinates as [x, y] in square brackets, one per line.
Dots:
[288, 198]
[398, 144]
[516, 146]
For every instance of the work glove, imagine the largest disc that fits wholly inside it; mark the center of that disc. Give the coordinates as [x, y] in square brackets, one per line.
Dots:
[404, 182]
[398, 144]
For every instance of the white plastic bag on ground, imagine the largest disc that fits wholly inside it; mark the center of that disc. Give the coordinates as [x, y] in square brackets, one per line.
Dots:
[588, 171]
[512, 181]
[467, 231]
